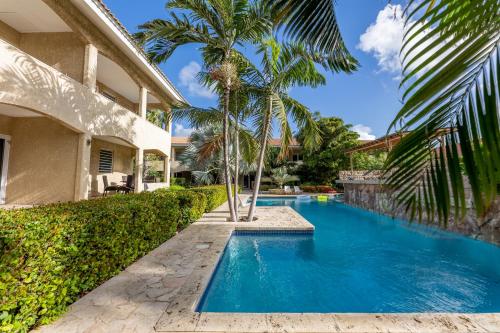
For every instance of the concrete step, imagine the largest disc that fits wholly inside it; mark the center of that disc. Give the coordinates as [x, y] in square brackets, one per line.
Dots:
[213, 219]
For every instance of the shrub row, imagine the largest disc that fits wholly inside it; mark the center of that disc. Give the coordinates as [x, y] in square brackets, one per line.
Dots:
[51, 255]
[318, 189]
[216, 195]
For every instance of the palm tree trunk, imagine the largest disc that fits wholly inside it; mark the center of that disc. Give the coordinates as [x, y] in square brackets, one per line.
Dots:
[236, 165]
[262, 154]
[227, 173]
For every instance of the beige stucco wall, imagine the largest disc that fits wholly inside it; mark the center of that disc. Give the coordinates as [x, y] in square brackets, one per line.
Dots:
[9, 34]
[64, 51]
[122, 165]
[5, 125]
[123, 101]
[42, 161]
[29, 83]
[60, 50]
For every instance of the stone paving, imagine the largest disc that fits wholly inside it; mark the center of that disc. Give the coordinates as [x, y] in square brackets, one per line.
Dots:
[159, 293]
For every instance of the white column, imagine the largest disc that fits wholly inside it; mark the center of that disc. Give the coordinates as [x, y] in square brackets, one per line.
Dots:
[90, 67]
[139, 165]
[82, 181]
[143, 102]
[166, 170]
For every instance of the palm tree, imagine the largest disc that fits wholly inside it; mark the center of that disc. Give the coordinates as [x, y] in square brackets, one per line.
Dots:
[219, 26]
[451, 76]
[204, 153]
[282, 68]
[314, 24]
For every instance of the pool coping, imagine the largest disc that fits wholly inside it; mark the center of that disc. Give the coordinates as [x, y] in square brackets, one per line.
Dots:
[181, 314]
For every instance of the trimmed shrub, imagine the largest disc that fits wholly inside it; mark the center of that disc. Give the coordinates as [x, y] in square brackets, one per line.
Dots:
[176, 188]
[310, 189]
[51, 255]
[216, 195]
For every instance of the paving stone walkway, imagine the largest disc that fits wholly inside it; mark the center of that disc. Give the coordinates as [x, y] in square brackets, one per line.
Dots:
[134, 300]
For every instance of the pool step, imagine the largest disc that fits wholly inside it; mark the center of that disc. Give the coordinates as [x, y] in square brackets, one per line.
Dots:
[213, 219]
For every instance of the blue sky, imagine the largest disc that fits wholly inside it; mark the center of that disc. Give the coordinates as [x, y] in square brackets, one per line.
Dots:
[367, 99]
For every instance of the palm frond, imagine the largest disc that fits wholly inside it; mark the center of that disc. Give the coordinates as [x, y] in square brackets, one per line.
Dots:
[311, 22]
[451, 75]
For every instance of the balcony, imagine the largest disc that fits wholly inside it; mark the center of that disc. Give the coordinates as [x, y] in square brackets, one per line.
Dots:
[28, 83]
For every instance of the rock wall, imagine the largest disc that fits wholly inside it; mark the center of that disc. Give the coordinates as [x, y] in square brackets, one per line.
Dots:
[372, 196]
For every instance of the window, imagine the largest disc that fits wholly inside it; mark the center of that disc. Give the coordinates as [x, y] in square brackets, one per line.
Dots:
[105, 161]
[108, 96]
[296, 157]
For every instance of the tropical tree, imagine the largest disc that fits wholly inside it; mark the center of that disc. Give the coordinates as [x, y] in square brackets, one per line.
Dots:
[242, 141]
[312, 23]
[204, 156]
[451, 76]
[322, 163]
[219, 26]
[280, 176]
[369, 161]
[283, 66]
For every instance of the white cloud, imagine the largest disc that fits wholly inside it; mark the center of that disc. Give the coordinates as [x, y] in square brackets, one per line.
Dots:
[384, 38]
[188, 79]
[180, 130]
[364, 132]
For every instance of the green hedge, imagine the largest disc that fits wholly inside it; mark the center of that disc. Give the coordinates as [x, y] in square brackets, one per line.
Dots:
[216, 195]
[51, 255]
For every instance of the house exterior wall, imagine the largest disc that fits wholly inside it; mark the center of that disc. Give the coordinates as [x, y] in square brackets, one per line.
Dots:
[5, 125]
[54, 75]
[122, 165]
[29, 83]
[63, 51]
[42, 161]
[121, 100]
[9, 34]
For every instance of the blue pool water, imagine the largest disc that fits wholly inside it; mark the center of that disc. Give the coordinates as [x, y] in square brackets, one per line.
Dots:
[356, 261]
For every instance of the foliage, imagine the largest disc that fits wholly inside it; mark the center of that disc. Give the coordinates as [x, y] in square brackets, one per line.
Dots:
[218, 27]
[280, 176]
[178, 181]
[283, 67]
[313, 23]
[365, 161]
[451, 76]
[204, 153]
[157, 117]
[317, 188]
[216, 195]
[176, 188]
[275, 160]
[322, 163]
[51, 255]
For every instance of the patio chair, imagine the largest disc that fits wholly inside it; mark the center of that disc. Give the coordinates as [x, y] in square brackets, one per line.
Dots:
[287, 189]
[129, 185]
[297, 190]
[108, 188]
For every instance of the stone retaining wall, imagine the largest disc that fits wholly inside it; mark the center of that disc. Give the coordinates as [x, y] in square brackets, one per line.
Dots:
[372, 196]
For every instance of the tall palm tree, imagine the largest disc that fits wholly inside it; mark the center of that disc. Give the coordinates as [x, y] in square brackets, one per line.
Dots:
[282, 68]
[243, 147]
[451, 76]
[219, 26]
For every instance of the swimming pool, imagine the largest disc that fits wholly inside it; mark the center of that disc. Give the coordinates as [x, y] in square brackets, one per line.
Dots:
[356, 261]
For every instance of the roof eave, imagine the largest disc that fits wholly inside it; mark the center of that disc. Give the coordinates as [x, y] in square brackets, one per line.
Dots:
[95, 9]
